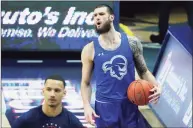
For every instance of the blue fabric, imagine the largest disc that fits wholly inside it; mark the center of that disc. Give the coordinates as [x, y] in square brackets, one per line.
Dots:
[35, 118]
[119, 114]
[114, 70]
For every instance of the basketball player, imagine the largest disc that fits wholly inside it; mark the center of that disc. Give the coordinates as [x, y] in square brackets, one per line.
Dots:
[51, 114]
[114, 57]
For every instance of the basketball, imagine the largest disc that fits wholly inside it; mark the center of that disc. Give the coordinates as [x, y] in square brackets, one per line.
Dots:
[139, 91]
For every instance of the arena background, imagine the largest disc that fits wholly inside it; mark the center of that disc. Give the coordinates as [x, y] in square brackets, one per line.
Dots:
[49, 41]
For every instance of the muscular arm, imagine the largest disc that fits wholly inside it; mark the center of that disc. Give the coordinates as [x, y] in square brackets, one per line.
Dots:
[87, 65]
[139, 60]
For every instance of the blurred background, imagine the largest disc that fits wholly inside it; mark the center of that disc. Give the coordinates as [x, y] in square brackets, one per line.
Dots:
[44, 38]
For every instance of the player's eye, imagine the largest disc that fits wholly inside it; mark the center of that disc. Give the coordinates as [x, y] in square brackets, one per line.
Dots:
[48, 89]
[101, 14]
[57, 90]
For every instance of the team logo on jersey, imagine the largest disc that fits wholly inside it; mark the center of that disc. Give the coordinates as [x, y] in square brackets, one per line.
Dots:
[117, 66]
[50, 125]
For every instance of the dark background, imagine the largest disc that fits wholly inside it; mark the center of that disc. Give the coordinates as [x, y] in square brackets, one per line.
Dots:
[143, 7]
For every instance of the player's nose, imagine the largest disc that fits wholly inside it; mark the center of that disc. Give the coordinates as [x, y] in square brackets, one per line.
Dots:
[98, 18]
[52, 94]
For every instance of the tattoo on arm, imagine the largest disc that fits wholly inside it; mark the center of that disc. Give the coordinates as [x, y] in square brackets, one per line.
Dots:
[140, 65]
[137, 50]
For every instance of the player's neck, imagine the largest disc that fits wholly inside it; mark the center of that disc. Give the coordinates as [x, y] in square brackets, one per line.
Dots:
[110, 36]
[51, 111]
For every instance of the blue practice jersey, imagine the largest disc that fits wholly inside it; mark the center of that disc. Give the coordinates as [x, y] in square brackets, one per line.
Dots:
[114, 70]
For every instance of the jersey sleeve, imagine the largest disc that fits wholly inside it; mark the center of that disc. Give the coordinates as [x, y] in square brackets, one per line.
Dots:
[75, 122]
[19, 122]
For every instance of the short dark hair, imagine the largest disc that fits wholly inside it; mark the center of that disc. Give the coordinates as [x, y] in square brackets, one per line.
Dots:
[109, 8]
[56, 77]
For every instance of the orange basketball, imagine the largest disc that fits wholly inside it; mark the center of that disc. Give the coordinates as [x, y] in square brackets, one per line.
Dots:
[139, 91]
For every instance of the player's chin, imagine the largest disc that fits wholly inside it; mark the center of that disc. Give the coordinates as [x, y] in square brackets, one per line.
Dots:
[52, 104]
[100, 30]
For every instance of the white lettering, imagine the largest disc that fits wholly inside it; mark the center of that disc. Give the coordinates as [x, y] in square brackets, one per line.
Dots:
[89, 19]
[50, 32]
[61, 33]
[71, 33]
[80, 15]
[12, 20]
[19, 33]
[34, 18]
[2, 13]
[28, 33]
[52, 16]
[83, 34]
[73, 17]
[69, 15]
[23, 15]
[3, 32]
[76, 17]
[11, 32]
[76, 33]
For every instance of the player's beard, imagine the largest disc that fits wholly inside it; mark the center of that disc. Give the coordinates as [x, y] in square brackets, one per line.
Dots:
[106, 27]
[53, 106]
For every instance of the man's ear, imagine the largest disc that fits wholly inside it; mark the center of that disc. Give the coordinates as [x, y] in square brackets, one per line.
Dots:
[65, 92]
[112, 17]
[43, 91]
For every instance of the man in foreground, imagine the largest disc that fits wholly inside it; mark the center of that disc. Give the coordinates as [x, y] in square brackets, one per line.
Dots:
[51, 114]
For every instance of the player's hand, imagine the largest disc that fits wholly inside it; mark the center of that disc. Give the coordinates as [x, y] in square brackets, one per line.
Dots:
[156, 91]
[89, 113]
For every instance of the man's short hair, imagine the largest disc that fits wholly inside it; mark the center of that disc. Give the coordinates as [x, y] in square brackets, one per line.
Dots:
[110, 10]
[56, 77]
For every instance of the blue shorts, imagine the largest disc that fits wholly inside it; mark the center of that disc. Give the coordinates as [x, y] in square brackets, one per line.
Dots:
[116, 114]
